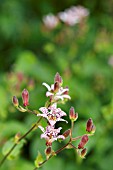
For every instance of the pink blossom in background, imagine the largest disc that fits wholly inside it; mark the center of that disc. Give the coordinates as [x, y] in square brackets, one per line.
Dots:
[50, 21]
[73, 15]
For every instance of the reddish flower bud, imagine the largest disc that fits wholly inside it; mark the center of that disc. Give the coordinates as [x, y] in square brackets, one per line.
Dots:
[58, 79]
[25, 97]
[66, 133]
[15, 101]
[83, 152]
[83, 141]
[73, 116]
[48, 151]
[89, 125]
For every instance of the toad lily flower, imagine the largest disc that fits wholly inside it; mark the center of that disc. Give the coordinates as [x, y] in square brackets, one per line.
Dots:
[52, 114]
[51, 134]
[56, 91]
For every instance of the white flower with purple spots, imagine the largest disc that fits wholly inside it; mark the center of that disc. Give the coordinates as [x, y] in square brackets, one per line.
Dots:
[56, 92]
[52, 114]
[50, 134]
[61, 94]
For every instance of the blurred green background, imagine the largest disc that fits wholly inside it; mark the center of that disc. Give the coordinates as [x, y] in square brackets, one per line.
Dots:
[83, 54]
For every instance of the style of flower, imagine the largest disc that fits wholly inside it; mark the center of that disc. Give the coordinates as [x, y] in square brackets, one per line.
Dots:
[52, 114]
[50, 134]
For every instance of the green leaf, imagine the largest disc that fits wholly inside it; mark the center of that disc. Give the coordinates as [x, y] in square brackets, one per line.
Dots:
[14, 153]
[38, 160]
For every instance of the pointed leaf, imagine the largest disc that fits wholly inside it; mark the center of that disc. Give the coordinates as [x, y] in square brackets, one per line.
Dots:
[38, 160]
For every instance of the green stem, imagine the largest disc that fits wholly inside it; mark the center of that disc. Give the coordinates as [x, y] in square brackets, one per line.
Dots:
[22, 137]
[72, 125]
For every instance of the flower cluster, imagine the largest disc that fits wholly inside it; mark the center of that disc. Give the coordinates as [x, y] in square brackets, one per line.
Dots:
[71, 16]
[56, 94]
[52, 113]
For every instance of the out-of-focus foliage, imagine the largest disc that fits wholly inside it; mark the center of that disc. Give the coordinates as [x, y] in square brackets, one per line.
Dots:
[83, 54]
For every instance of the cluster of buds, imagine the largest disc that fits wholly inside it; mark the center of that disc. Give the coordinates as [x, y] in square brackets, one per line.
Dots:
[90, 128]
[53, 114]
[25, 99]
[70, 16]
[17, 80]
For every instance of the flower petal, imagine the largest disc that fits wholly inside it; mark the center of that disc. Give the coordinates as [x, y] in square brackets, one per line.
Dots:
[47, 86]
[43, 115]
[52, 122]
[41, 128]
[61, 137]
[43, 110]
[49, 94]
[66, 96]
[59, 119]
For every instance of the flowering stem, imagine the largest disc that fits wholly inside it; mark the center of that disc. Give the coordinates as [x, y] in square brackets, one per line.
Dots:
[72, 125]
[30, 111]
[22, 137]
[79, 137]
[73, 146]
[55, 153]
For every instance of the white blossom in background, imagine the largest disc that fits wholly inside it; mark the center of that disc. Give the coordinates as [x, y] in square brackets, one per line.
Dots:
[73, 15]
[50, 21]
[110, 61]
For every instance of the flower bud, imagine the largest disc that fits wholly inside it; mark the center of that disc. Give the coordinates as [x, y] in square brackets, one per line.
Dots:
[25, 97]
[89, 125]
[15, 101]
[73, 116]
[58, 79]
[66, 133]
[83, 141]
[48, 151]
[83, 153]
